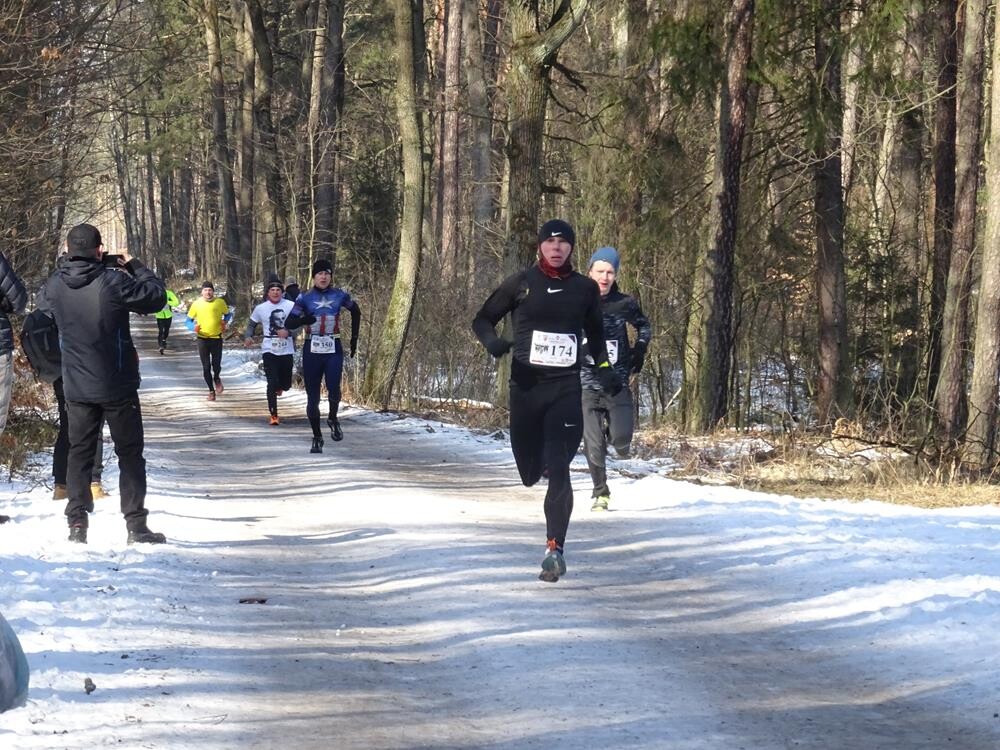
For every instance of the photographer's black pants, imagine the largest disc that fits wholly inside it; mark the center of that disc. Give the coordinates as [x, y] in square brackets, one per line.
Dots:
[546, 426]
[124, 419]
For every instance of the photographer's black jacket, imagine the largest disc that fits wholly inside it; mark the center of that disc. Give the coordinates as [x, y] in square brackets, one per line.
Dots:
[91, 304]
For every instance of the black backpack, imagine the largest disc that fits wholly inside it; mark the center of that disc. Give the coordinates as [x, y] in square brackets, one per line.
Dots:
[40, 341]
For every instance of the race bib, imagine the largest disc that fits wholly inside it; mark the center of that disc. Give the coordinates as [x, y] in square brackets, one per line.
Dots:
[612, 351]
[323, 345]
[553, 349]
[277, 345]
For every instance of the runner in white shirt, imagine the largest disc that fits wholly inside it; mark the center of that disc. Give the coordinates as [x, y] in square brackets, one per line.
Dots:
[278, 345]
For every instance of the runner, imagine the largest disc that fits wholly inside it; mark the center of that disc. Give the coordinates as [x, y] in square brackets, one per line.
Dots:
[208, 313]
[277, 347]
[550, 305]
[323, 353]
[163, 320]
[604, 416]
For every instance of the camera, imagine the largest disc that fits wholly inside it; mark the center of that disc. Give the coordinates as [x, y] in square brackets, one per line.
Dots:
[113, 260]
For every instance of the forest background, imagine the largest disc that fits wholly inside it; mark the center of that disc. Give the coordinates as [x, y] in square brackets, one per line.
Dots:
[801, 190]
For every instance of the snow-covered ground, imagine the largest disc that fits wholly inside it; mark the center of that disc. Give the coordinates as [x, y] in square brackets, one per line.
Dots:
[403, 610]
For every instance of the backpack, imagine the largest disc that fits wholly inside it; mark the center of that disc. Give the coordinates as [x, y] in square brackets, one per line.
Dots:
[40, 342]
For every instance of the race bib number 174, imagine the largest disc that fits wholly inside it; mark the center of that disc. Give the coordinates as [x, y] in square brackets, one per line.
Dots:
[553, 349]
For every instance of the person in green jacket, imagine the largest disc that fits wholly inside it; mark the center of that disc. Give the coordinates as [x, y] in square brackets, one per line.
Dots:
[163, 318]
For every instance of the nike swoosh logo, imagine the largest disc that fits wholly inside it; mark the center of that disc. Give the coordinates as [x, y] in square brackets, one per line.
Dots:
[568, 425]
[552, 291]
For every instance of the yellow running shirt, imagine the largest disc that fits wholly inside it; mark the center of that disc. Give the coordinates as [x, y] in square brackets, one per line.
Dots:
[207, 315]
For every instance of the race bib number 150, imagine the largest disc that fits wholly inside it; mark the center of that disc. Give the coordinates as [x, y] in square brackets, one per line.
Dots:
[553, 349]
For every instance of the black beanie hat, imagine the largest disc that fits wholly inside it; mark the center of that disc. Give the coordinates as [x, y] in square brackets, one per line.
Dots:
[322, 265]
[208, 285]
[557, 228]
[274, 281]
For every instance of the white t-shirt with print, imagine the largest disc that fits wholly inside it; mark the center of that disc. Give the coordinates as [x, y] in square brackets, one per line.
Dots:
[271, 317]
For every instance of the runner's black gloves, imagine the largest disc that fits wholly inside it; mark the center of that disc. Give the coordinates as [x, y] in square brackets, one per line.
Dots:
[638, 357]
[498, 347]
[608, 378]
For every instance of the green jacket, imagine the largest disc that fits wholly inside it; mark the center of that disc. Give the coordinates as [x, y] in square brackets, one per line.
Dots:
[172, 301]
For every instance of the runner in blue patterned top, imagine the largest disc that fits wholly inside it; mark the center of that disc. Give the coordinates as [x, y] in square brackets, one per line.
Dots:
[323, 353]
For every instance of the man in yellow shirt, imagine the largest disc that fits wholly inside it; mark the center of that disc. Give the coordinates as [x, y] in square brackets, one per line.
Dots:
[208, 313]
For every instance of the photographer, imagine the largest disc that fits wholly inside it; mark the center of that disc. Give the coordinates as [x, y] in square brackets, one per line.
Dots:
[91, 297]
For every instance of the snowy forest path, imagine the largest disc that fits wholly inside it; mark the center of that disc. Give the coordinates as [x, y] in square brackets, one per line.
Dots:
[390, 600]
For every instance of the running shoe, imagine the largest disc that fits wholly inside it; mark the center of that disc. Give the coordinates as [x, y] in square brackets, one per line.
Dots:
[601, 502]
[317, 446]
[218, 386]
[335, 432]
[553, 564]
[210, 396]
[274, 420]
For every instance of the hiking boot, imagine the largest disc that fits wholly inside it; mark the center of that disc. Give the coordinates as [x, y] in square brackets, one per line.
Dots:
[161, 349]
[335, 432]
[78, 534]
[317, 446]
[218, 386]
[143, 535]
[59, 492]
[97, 491]
[210, 396]
[273, 420]
[553, 564]
[601, 502]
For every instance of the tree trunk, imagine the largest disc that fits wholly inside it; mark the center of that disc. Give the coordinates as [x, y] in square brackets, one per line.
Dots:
[481, 128]
[944, 178]
[246, 136]
[711, 322]
[908, 165]
[950, 395]
[833, 386]
[380, 375]
[154, 246]
[235, 263]
[328, 106]
[450, 208]
[980, 437]
[274, 211]
[531, 57]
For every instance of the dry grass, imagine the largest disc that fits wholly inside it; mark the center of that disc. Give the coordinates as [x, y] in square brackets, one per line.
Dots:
[30, 424]
[815, 466]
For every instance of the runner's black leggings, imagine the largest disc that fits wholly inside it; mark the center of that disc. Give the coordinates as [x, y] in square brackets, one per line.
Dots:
[278, 371]
[162, 331]
[546, 426]
[210, 352]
